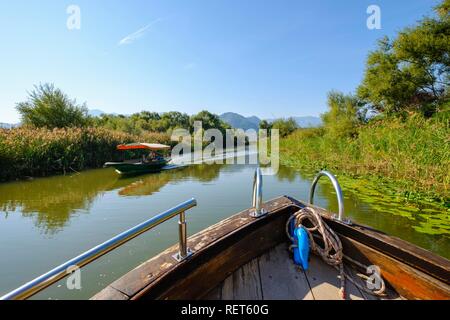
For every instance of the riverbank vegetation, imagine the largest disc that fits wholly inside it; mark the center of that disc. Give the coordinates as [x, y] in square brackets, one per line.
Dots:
[146, 121]
[58, 136]
[410, 156]
[48, 107]
[395, 128]
[34, 152]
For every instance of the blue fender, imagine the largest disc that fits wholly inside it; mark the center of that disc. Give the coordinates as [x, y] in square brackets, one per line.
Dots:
[301, 252]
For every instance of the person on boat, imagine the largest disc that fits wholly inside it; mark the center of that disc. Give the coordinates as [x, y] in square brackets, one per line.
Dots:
[152, 156]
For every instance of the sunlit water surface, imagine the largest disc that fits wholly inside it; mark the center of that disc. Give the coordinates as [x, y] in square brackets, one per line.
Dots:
[47, 221]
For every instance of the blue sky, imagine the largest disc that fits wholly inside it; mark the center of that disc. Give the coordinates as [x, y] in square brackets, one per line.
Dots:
[254, 57]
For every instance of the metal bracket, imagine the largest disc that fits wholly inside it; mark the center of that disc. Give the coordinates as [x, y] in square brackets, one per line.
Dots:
[258, 214]
[179, 258]
[344, 221]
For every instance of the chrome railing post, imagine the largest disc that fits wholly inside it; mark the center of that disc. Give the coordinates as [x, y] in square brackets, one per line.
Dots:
[257, 210]
[183, 235]
[184, 251]
[337, 188]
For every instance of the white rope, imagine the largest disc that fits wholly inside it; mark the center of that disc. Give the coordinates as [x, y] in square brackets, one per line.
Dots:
[331, 252]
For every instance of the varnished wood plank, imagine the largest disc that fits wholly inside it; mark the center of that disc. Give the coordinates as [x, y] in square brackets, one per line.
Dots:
[280, 278]
[110, 293]
[409, 282]
[325, 283]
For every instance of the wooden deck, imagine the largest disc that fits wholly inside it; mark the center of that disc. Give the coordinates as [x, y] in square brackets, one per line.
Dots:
[273, 276]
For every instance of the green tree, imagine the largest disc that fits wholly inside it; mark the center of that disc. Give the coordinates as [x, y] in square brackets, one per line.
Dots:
[343, 116]
[175, 119]
[264, 124]
[49, 107]
[412, 72]
[209, 121]
[285, 126]
[121, 123]
[158, 122]
[443, 10]
[148, 115]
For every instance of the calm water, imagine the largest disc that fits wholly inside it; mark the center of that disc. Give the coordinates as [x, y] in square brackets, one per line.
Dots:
[47, 221]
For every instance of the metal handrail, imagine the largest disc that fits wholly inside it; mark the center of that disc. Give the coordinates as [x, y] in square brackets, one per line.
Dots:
[58, 273]
[257, 209]
[336, 186]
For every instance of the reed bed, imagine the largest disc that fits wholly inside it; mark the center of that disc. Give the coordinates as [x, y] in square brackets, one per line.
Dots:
[413, 156]
[34, 152]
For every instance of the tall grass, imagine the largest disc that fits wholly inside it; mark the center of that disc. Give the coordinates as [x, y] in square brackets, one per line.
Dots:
[31, 152]
[413, 154]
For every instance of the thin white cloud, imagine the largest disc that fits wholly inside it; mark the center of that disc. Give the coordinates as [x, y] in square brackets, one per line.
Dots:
[138, 34]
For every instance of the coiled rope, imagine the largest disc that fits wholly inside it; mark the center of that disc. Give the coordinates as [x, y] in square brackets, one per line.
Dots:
[331, 252]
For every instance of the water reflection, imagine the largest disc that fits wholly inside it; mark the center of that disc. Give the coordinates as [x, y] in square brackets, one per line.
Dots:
[286, 174]
[51, 202]
[149, 184]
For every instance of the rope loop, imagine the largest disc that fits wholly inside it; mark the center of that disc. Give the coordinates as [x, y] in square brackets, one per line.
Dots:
[330, 248]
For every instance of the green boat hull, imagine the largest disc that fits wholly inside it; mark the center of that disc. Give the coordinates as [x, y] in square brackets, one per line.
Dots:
[127, 168]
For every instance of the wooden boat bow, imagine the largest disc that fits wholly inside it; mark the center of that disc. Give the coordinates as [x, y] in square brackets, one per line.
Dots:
[220, 250]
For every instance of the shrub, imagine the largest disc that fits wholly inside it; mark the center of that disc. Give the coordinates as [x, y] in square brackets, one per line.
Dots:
[49, 107]
[285, 126]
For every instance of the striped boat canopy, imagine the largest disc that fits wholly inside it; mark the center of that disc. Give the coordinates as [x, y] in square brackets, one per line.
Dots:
[150, 146]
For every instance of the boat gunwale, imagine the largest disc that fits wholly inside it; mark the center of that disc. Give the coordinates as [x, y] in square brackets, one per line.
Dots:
[119, 286]
[428, 263]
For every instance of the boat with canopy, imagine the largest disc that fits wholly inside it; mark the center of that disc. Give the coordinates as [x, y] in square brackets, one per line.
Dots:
[152, 161]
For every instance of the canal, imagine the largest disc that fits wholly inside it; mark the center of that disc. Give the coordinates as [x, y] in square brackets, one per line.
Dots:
[46, 221]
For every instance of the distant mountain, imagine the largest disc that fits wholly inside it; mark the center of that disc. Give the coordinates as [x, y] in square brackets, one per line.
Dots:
[305, 122]
[8, 125]
[308, 122]
[96, 112]
[238, 121]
